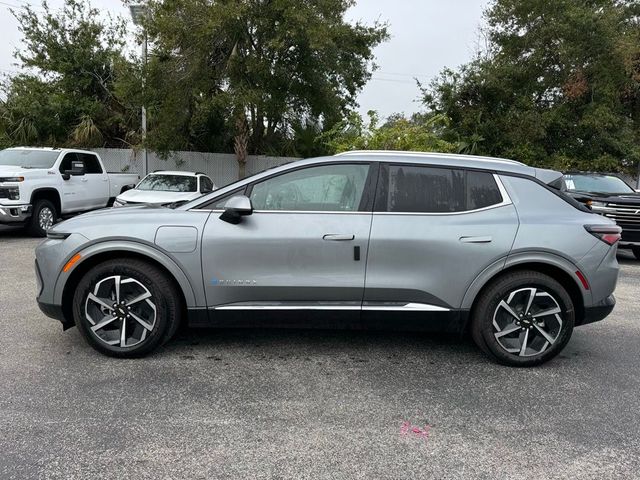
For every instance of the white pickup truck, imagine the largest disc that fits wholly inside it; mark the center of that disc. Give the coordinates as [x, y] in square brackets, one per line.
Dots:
[40, 185]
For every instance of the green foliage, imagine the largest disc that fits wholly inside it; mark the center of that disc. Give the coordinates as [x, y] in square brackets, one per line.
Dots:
[420, 133]
[277, 67]
[67, 97]
[558, 86]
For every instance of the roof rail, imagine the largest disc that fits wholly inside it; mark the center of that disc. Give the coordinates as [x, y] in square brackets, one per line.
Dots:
[426, 154]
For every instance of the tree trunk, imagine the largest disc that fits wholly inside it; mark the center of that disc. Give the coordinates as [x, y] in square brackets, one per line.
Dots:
[241, 143]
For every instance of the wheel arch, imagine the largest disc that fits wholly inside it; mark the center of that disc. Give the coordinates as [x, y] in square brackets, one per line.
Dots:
[556, 267]
[47, 193]
[99, 253]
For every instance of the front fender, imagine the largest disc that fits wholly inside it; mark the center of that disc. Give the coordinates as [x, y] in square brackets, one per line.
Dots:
[139, 247]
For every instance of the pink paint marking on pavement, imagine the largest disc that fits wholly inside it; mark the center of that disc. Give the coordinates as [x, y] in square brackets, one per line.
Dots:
[415, 430]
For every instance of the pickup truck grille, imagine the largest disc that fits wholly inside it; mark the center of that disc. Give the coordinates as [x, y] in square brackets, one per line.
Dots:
[622, 214]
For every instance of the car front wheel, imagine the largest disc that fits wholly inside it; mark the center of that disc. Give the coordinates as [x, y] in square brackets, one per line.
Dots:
[523, 319]
[126, 308]
[43, 218]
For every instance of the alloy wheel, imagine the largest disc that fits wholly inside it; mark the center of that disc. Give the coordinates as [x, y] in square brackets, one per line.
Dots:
[45, 218]
[527, 321]
[121, 311]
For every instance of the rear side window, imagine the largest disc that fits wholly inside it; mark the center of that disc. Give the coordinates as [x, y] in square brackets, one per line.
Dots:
[91, 163]
[417, 189]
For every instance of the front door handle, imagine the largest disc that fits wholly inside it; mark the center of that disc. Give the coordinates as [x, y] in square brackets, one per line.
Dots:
[485, 239]
[335, 237]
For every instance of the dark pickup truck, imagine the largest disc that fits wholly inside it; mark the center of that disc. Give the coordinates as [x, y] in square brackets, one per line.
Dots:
[611, 196]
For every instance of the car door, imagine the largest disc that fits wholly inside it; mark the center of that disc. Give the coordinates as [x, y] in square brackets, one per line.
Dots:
[73, 189]
[434, 230]
[96, 182]
[302, 249]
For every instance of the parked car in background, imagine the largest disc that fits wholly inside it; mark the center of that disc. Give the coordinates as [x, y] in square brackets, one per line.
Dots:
[448, 242]
[40, 185]
[165, 187]
[610, 196]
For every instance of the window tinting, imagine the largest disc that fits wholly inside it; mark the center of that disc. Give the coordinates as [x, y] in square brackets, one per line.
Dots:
[482, 190]
[66, 163]
[417, 189]
[206, 185]
[91, 163]
[324, 188]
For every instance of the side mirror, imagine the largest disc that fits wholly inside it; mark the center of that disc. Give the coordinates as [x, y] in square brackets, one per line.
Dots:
[236, 208]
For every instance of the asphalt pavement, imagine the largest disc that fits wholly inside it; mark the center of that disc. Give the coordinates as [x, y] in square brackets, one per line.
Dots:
[278, 404]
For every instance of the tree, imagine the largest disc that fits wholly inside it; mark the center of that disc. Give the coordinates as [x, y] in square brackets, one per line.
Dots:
[255, 68]
[421, 133]
[558, 85]
[66, 95]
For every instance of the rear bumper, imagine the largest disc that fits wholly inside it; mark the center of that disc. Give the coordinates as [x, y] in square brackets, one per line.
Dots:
[599, 311]
[14, 213]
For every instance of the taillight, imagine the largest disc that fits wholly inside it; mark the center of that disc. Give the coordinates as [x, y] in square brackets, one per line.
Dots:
[609, 234]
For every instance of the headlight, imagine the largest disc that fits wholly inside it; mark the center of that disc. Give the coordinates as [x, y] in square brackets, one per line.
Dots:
[598, 204]
[11, 179]
[12, 193]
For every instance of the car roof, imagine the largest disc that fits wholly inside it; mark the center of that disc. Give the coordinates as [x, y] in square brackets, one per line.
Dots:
[176, 172]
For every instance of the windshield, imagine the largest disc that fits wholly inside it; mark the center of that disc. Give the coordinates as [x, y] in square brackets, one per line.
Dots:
[29, 158]
[168, 183]
[596, 183]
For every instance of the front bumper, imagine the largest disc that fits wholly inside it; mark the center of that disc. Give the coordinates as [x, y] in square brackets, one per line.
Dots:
[14, 213]
[599, 311]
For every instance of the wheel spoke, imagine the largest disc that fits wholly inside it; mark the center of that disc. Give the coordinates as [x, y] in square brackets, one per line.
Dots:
[523, 348]
[546, 335]
[117, 279]
[140, 298]
[508, 330]
[123, 333]
[103, 323]
[551, 311]
[508, 308]
[100, 302]
[140, 321]
[532, 296]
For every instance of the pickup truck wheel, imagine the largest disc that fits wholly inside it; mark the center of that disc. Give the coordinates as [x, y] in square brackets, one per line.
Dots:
[523, 319]
[126, 308]
[636, 252]
[42, 219]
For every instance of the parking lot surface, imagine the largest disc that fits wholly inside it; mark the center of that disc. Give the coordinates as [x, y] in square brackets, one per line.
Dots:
[274, 404]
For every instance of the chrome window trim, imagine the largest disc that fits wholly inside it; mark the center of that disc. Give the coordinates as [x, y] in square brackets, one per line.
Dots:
[506, 200]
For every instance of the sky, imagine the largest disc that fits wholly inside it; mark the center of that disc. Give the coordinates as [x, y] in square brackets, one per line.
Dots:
[426, 36]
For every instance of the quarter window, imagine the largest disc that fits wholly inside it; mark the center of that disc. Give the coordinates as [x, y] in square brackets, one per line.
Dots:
[324, 188]
[417, 189]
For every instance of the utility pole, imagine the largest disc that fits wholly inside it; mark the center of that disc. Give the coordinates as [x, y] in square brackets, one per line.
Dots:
[138, 15]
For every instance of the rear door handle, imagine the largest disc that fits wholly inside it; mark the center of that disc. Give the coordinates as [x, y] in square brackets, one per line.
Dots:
[335, 237]
[486, 239]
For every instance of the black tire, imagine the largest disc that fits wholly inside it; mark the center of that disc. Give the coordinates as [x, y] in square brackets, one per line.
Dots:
[138, 275]
[636, 252]
[489, 304]
[33, 227]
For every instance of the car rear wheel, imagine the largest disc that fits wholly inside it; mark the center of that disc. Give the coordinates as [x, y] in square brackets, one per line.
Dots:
[126, 308]
[636, 252]
[523, 319]
[43, 218]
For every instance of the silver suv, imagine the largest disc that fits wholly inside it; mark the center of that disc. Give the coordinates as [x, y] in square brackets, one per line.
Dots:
[372, 239]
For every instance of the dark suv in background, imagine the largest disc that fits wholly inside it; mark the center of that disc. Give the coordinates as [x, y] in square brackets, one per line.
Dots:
[610, 196]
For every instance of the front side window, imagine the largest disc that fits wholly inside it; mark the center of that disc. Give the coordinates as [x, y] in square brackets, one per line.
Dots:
[327, 188]
[168, 183]
[206, 185]
[418, 189]
[91, 163]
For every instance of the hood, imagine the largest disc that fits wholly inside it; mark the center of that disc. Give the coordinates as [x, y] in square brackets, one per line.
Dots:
[155, 197]
[15, 171]
[622, 198]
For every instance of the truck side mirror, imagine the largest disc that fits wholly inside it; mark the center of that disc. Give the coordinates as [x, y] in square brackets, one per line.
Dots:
[77, 170]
